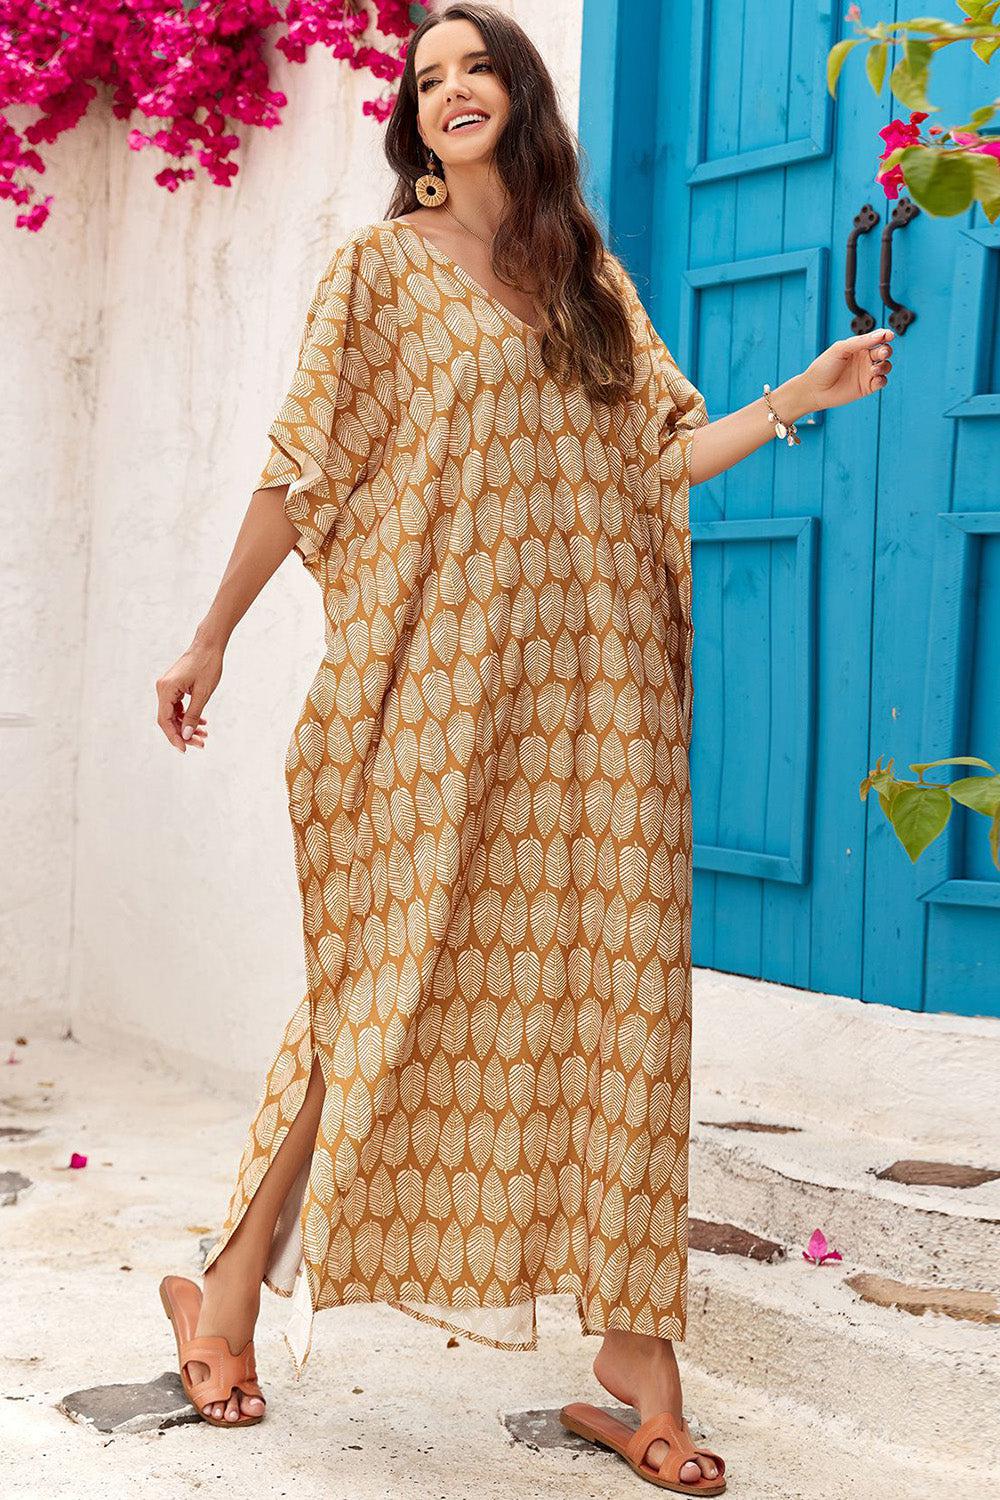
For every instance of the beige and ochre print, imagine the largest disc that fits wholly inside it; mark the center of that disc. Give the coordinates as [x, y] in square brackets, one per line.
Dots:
[488, 788]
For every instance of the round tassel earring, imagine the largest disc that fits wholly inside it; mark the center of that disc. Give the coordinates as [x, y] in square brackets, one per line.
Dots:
[431, 190]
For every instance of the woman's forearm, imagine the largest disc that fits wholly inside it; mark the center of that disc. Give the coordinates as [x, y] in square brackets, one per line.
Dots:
[263, 542]
[720, 444]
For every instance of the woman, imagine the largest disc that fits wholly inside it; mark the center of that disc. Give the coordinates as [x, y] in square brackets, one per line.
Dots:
[484, 460]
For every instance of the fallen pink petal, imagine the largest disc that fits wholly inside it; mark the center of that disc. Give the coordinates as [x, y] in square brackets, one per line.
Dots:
[818, 1251]
[76, 1160]
[13, 1059]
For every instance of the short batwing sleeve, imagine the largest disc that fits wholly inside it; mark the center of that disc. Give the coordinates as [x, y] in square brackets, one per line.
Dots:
[682, 411]
[331, 429]
[678, 409]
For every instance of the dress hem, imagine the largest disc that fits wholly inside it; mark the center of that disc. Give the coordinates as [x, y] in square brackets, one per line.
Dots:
[676, 1324]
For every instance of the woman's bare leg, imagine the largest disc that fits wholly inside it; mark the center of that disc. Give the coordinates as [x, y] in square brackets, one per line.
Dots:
[642, 1372]
[231, 1295]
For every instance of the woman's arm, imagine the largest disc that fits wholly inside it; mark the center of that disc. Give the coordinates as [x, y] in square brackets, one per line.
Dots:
[720, 444]
[263, 542]
[847, 370]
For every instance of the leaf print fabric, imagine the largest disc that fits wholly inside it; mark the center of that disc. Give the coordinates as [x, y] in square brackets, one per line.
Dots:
[488, 789]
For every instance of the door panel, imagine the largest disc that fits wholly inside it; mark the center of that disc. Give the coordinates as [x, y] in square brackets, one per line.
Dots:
[757, 300]
[846, 591]
[932, 928]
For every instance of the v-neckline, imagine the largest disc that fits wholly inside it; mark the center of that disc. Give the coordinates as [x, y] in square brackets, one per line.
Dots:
[466, 277]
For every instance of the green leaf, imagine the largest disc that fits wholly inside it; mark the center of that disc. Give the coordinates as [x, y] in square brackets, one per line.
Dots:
[417, 13]
[981, 793]
[835, 61]
[886, 163]
[952, 760]
[979, 118]
[986, 182]
[875, 65]
[985, 47]
[929, 23]
[918, 814]
[908, 79]
[995, 840]
[939, 181]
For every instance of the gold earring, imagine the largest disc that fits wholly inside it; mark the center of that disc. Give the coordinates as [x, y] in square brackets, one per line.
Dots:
[431, 190]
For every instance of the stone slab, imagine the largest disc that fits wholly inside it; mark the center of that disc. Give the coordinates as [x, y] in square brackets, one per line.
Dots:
[937, 1174]
[953, 1301]
[12, 1184]
[730, 1239]
[152, 1406]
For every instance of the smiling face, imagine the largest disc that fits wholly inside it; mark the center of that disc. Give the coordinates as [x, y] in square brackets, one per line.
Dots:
[455, 77]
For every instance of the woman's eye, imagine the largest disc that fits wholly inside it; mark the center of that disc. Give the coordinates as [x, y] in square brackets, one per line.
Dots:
[425, 83]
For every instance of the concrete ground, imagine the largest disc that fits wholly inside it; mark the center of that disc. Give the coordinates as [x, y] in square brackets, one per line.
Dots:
[385, 1408]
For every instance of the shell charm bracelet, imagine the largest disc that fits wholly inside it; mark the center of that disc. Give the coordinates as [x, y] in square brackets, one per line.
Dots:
[781, 429]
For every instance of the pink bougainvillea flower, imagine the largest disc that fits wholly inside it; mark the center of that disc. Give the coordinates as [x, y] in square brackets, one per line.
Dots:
[853, 13]
[197, 66]
[973, 142]
[76, 1160]
[818, 1252]
[896, 134]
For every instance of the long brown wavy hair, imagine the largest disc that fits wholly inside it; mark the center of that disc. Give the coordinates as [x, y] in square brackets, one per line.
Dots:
[548, 242]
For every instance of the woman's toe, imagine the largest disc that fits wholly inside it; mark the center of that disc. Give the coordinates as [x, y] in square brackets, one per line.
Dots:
[251, 1406]
[690, 1472]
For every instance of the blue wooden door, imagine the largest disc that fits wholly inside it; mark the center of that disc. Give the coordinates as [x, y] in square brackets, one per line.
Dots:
[846, 591]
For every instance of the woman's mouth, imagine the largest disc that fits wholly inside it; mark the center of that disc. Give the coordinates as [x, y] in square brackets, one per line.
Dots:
[469, 125]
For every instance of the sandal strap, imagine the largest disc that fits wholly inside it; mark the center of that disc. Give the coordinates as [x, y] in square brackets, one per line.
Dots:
[226, 1369]
[680, 1449]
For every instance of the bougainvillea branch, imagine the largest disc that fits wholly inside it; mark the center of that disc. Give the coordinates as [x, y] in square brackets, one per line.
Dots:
[952, 167]
[194, 67]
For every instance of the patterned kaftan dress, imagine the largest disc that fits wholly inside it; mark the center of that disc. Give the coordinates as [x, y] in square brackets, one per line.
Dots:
[488, 787]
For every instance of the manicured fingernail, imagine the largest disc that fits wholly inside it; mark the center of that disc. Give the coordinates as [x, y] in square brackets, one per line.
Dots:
[187, 731]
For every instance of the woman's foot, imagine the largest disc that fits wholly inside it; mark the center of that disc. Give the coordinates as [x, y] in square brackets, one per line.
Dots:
[642, 1372]
[230, 1302]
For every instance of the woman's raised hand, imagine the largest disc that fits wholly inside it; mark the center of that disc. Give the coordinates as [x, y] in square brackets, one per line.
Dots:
[197, 673]
[849, 369]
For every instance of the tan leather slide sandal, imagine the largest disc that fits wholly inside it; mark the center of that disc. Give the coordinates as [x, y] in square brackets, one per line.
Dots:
[182, 1303]
[599, 1427]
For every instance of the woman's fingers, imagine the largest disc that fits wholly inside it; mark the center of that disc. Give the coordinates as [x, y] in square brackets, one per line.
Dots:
[171, 715]
[202, 688]
[168, 698]
[879, 354]
[194, 676]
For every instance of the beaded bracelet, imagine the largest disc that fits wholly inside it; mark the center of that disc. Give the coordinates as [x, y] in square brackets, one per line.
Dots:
[781, 429]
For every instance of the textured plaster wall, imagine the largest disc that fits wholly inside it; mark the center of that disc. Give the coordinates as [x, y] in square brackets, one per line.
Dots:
[50, 315]
[152, 896]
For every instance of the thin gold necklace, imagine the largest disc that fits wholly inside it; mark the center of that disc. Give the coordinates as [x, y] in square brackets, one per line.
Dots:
[489, 246]
[488, 243]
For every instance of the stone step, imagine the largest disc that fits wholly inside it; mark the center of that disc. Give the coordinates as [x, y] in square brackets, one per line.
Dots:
[791, 1330]
[784, 1185]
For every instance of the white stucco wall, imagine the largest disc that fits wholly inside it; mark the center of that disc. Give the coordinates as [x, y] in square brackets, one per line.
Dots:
[152, 896]
[50, 315]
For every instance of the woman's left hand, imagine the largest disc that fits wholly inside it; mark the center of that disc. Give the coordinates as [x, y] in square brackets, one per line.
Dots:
[849, 369]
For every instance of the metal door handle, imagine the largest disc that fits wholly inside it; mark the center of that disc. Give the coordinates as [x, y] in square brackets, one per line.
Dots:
[901, 317]
[866, 218]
